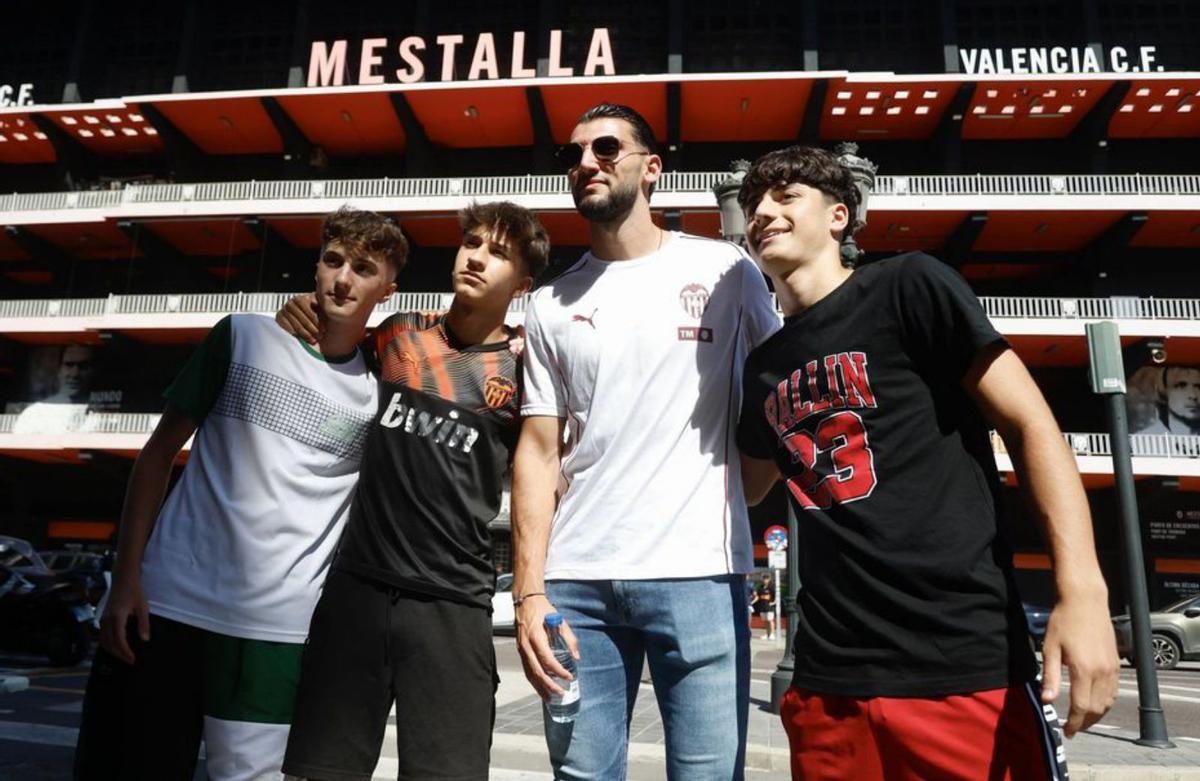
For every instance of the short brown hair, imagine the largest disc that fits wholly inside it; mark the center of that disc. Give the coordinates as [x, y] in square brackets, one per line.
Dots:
[367, 231]
[514, 224]
[817, 168]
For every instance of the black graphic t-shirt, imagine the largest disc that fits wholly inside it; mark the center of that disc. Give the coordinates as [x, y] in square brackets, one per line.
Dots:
[906, 584]
[433, 467]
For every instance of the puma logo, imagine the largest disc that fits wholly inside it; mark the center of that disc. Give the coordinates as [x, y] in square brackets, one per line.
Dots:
[589, 319]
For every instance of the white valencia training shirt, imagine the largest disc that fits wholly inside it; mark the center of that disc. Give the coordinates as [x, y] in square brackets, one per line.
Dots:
[643, 358]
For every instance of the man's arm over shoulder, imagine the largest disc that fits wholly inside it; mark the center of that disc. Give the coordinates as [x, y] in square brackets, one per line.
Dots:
[1080, 633]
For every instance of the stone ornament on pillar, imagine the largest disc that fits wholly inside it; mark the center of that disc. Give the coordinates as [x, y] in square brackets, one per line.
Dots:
[733, 222]
[863, 171]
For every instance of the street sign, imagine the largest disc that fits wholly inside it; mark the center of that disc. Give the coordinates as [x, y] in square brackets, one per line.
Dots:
[777, 559]
[776, 538]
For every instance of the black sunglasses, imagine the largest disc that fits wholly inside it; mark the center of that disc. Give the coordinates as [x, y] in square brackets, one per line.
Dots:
[605, 149]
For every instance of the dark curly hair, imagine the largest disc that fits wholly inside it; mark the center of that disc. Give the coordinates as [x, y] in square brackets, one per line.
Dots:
[514, 224]
[367, 231]
[815, 167]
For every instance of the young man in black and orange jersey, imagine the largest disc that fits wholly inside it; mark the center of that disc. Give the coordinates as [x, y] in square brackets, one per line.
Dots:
[405, 613]
[873, 405]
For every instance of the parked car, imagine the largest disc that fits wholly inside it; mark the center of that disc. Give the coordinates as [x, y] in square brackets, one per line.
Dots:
[91, 568]
[20, 556]
[44, 612]
[1175, 634]
[503, 615]
[1037, 618]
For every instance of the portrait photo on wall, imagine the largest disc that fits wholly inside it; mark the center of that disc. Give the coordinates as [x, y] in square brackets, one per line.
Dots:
[1164, 400]
[60, 387]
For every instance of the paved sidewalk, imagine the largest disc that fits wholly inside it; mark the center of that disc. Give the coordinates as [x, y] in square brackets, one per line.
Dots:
[519, 751]
[13, 683]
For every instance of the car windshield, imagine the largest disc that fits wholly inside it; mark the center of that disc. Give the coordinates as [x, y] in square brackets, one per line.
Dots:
[504, 583]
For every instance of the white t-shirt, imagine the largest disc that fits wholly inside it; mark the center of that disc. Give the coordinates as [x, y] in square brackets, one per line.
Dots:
[643, 358]
[243, 543]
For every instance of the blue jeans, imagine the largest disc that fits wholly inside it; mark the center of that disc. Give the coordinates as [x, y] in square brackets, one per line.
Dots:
[694, 633]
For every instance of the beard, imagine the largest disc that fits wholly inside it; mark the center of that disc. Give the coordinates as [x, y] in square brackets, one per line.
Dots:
[597, 208]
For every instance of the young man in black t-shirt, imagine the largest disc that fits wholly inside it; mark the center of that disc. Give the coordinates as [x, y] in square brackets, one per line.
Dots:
[405, 615]
[873, 404]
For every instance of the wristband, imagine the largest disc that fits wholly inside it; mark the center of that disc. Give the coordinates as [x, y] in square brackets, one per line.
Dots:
[518, 599]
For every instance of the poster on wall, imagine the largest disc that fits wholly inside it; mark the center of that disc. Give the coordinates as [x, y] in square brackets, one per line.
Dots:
[1164, 400]
[61, 386]
[1171, 588]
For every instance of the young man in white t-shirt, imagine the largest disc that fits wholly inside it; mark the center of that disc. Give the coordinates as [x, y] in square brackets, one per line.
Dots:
[212, 594]
[637, 351]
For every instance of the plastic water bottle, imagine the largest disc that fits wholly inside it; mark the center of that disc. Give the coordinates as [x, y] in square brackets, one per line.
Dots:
[562, 707]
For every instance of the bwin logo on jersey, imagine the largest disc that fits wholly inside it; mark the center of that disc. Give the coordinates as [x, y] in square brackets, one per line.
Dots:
[694, 299]
[442, 429]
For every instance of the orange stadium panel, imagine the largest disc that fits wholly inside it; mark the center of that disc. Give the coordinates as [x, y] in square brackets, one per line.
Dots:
[205, 237]
[905, 231]
[347, 123]
[1072, 350]
[224, 126]
[1043, 231]
[87, 240]
[10, 250]
[433, 230]
[884, 110]
[298, 231]
[702, 224]
[474, 117]
[21, 141]
[1031, 561]
[743, 110]
[1167, 108]
[992, 271]
[119, 130]
[566, 229]
[1033, 109]
[565, 102]
[81, 530]
[1177, 566]
[1169, 229]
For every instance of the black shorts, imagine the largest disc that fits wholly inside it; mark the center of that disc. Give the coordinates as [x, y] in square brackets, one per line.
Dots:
[144, 721]
[764, 608]
[371, 644]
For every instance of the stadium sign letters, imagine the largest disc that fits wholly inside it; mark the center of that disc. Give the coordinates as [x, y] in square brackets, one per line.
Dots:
[1058, 59]
[16, 95]
[327, 59]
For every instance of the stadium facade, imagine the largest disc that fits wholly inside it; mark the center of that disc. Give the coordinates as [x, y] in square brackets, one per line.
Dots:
[165, 164]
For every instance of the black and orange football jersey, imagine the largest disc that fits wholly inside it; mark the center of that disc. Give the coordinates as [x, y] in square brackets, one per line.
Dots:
[433, 468]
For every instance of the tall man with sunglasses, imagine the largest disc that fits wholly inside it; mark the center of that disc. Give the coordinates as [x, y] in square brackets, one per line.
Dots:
[636, 351]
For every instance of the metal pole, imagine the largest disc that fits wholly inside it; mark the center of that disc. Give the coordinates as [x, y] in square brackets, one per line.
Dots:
[1151, 721]
[781, 679]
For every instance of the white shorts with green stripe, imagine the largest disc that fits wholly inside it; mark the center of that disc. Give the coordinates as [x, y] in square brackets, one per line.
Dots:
[250, 690]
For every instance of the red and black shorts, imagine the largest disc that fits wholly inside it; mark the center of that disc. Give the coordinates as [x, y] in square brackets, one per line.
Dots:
[999, 735]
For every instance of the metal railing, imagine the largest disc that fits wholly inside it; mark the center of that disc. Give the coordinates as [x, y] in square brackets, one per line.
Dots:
[93, 423]
[556, 184]
[998, 307]
[1141, 445]
[1119, 308]
[1039, 184]
[1080, 443]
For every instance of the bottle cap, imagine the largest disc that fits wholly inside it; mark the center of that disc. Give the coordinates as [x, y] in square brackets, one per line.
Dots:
[554, 619]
